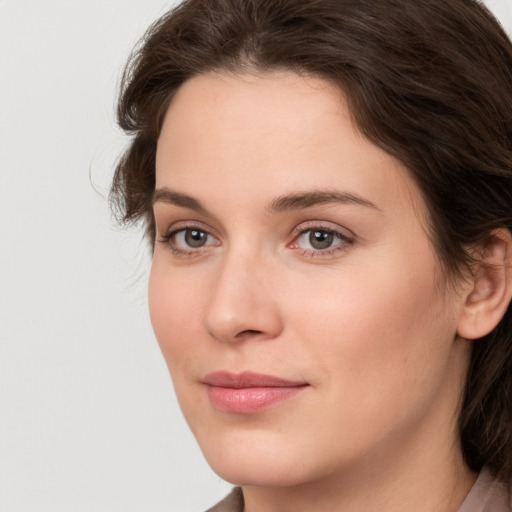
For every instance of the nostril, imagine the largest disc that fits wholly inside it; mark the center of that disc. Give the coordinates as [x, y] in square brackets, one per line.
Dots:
[247, 332]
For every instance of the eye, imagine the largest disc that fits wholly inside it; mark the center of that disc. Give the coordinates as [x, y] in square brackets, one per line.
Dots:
[318, 239]
[191, 237]
[321, 241]
[189, 240]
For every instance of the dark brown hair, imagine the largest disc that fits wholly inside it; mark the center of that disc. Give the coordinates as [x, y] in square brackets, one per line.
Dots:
[429, 81]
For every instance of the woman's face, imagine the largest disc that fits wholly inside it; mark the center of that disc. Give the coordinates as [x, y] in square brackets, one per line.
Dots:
[294, 291]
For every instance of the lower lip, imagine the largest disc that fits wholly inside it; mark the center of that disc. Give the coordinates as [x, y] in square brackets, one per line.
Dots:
[250, 400]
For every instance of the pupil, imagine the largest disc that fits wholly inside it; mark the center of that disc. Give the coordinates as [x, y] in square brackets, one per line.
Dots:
[195, 238]
[320, 239]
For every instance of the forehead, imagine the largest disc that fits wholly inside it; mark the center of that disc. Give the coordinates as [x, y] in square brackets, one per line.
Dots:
[267, 134]
[233, 96]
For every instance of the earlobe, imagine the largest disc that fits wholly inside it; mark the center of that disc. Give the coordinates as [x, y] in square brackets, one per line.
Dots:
[490, 288]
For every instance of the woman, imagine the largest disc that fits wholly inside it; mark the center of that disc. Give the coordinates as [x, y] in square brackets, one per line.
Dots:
[327, 186]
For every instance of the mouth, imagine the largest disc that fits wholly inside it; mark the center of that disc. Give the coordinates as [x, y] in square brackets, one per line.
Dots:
[248, 392]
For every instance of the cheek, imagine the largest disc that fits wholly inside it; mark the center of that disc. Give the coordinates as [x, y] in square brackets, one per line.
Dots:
[377, 337]
[175, 312]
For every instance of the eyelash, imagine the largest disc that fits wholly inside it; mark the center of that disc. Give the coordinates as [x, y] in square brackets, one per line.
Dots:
[169, 239]
[344, 241]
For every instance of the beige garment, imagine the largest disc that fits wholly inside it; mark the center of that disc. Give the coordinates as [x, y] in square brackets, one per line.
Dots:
[233, 502]
[487, 495]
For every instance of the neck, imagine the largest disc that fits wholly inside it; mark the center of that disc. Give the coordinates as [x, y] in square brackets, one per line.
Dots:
[383, 486]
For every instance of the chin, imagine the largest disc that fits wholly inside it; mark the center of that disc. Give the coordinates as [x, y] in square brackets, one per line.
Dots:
[258, 459]
[257, 471]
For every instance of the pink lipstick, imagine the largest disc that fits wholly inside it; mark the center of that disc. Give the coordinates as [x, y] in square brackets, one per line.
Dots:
[248, 392]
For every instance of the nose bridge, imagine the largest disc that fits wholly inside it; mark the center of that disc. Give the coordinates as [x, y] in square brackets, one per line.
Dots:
[242, 302]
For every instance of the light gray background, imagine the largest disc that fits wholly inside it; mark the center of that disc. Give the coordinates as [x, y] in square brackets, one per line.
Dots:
[88, 418]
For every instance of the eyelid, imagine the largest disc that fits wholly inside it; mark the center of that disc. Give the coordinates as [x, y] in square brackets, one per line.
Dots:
[187, 224]
[346, 237]
[322, 225]
[187, 252]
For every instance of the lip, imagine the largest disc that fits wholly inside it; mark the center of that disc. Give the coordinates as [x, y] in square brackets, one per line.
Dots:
[249, 392]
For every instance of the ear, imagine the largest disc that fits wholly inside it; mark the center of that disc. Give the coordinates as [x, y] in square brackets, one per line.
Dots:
[489, 289]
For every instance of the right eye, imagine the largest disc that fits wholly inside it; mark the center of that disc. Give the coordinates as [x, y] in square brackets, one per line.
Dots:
[189, 240]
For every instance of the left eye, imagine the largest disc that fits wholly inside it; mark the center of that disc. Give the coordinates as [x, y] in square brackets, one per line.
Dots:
[319, 239]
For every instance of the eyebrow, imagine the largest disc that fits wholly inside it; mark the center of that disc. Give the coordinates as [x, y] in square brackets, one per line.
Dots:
[165, 195]
[280, 204]
[312, 198]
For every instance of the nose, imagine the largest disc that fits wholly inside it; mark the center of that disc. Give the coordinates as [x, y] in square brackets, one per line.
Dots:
[243, 302]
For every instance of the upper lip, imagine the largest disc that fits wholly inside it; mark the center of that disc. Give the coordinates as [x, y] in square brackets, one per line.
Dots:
[248, 379]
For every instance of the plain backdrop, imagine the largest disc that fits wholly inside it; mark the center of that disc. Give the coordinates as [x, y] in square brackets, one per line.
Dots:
[88, 418]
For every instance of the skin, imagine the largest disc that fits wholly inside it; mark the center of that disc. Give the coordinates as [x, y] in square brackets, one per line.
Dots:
[366, 323]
